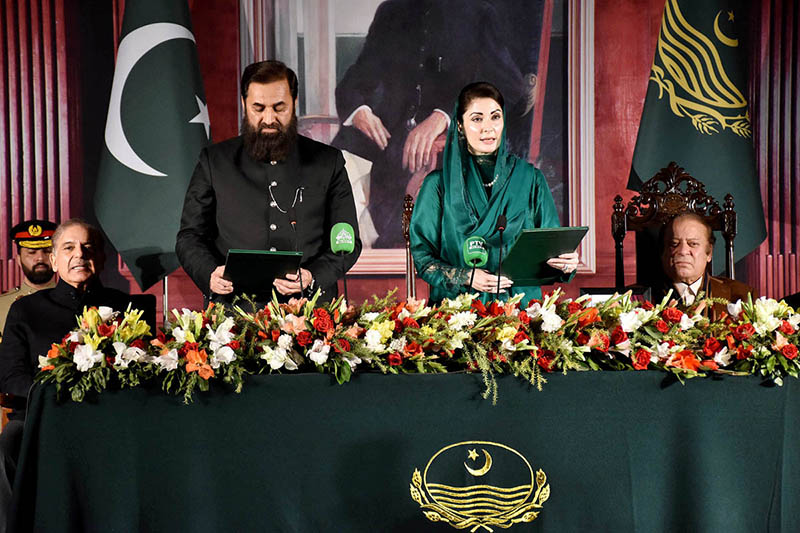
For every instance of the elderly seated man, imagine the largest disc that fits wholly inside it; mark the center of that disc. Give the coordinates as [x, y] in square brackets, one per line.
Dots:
[38, 320]
[687, 248]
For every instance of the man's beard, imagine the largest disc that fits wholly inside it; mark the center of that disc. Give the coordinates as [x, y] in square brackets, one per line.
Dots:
[38, 276]
[269, 146]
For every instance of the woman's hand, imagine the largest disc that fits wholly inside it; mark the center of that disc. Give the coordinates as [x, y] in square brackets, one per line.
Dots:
[487, 282]
[565, 262]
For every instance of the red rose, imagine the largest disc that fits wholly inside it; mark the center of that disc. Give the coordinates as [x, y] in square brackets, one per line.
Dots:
[492, 356]
[546, 360]
[71, 347]
[743, 352]
[322, 320]
[395, 359]
[744, 331]
[672, 314]
[341, 345]
[647, 305]
[479, 308]
[234, 345]
[398, 325]
[524, 318]
[534, 301]
[410, 322]
[583, 339]
[599, 341]
[162, 338]
[574, 307]
[711, 347]
[618, 336]
[304, 338]
[275, 335]
[786, 328]
[106, 331]
[139, 343]
[789, 351]
[641, 359]
[495, 309]
[187, 346]
[662, 326]
[520, 336]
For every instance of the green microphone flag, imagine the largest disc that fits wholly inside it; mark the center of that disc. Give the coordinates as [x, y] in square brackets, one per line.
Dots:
[156, 126]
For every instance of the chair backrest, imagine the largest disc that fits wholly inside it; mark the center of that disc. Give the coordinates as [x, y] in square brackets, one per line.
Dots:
[669, 193]
[411, 278]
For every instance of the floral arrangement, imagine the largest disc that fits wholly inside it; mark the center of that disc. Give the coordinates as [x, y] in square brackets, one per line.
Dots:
[225, 345]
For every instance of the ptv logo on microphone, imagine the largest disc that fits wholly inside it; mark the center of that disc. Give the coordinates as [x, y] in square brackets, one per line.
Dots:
[476, 245]
[344, 237]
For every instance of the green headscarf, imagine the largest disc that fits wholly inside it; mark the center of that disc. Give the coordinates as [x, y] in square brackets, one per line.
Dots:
[466, 209]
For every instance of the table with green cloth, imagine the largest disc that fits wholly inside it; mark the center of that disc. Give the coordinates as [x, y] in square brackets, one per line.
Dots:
[621, 451]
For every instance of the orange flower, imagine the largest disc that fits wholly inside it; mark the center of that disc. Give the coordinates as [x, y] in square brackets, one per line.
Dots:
[196, 362]
[684, 359]
[48, 367]
[53, 352]
[589, 316]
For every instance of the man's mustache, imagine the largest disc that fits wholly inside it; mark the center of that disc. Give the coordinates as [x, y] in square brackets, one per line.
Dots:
[273, 126]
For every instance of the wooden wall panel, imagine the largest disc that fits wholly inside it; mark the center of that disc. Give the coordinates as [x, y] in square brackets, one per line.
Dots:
[775, 267]
[38, 132]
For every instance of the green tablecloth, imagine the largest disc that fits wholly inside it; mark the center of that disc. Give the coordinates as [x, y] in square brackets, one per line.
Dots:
[622, 451]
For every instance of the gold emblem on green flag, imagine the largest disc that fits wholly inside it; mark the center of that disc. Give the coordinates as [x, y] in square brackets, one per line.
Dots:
[478, 484]
[688, 67]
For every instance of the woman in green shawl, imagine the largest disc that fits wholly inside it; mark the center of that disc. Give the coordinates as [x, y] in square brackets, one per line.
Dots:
[479, 181]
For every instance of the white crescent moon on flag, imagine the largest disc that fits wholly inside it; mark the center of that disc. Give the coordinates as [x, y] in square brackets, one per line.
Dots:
[131, 49]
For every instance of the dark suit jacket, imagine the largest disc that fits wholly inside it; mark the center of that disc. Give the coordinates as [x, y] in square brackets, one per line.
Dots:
[45, 317]
[714, 287]
[228, 205]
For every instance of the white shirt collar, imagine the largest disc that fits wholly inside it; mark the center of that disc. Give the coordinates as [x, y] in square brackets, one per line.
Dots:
[687, 292]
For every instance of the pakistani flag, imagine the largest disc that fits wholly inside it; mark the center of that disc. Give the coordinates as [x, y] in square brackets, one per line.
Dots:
[157, 124]
[696, 113]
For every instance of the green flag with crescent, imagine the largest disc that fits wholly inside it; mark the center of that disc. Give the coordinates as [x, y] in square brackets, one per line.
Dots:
[157, 124]
[696, 113]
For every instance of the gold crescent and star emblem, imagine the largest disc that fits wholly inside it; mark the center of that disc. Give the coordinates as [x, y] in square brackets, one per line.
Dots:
[446, 493]
[482, 470]
[724, 39]
[35, 230]
[688, 68]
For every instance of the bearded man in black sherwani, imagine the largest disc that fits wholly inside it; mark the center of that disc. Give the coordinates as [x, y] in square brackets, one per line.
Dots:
[245, 192]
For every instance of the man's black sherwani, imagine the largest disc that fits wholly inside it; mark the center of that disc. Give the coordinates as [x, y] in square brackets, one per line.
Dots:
[228, 205]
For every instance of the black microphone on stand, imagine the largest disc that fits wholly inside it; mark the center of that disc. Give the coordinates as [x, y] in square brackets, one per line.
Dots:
[343, 241]
[292, 213]
[501, 227]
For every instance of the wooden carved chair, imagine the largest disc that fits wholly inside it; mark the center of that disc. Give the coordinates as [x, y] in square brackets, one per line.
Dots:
[411, 276]
[669, 193]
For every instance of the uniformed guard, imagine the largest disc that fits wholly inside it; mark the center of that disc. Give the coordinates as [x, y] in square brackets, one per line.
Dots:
[33, 240]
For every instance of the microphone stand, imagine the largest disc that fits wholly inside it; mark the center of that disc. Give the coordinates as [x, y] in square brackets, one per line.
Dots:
[344, 281]
[293, 222]
[501, 226]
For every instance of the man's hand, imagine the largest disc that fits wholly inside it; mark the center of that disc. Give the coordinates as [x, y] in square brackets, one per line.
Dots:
[291, 284]
[370, 125]
[487, 282]
[564, 262]
[417, 150]
[219, 285]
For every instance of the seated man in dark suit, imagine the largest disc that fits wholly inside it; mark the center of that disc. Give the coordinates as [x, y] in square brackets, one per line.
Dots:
[687, 248]
[38, 320]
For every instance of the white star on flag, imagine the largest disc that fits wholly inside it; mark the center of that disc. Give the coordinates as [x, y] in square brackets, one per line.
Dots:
[202, 116]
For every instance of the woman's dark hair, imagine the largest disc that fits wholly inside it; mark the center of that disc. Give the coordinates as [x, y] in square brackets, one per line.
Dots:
[266, 72]
[479, 89]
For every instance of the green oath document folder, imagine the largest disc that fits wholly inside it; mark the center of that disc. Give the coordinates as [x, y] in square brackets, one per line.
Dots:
[526, 263]
[253, 271]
